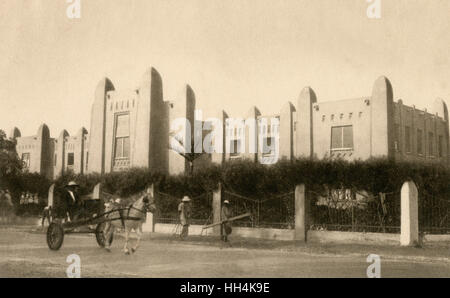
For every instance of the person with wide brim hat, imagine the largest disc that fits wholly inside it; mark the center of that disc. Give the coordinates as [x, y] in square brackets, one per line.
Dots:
[72, 201]
[184, 211]
[225, 214]
[72, 184]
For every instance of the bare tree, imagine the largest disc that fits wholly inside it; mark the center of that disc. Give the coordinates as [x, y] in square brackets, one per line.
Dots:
[180, 148]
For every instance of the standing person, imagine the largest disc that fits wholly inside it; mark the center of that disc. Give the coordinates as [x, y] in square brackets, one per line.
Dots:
[8, 198]
[224, 216]
[184, 212]
[6, 205]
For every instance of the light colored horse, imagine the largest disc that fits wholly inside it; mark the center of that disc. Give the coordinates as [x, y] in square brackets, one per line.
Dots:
[129, 218]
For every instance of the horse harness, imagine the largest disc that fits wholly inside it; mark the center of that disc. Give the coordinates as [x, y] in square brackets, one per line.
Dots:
[128, 217]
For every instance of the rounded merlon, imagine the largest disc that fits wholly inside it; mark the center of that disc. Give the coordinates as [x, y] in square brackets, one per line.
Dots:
[288, 106]
[43, 131]
[15, 133]
[253, 112]
[440, 108]
[382, 88]
[307, 94]
[63, 134]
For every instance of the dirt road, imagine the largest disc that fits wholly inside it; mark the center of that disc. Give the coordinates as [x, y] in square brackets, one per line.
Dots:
[24, 253]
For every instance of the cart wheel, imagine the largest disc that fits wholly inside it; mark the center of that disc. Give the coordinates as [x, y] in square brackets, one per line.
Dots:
[55, 236]
[100, 236]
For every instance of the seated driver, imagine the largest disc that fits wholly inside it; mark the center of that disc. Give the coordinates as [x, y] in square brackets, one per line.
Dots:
[72, 200]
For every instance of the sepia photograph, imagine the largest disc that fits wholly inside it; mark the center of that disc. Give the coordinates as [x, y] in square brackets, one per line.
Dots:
[224, 145]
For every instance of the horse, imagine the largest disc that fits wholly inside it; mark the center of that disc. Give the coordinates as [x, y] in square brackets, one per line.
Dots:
[130, 218]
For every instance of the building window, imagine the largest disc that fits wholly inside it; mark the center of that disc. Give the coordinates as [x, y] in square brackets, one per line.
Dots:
[342, 138]
[122, 138]
[419, 141]
[431, 144]
[122, 148]
[441, 146]
[267, 144]
[235, 147]
[70, 159]
[407, 139]
[26, 159]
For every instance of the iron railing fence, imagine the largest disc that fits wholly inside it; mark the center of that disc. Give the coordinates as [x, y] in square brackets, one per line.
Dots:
[354, 211]
[268, 211]
[434, 213]
[337, 210]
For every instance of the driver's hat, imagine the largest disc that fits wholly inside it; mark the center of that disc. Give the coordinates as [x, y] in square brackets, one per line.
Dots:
[186, 199]
[226, 202]
[72, 183]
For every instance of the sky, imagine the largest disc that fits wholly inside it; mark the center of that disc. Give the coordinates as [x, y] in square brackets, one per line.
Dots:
[234, 53]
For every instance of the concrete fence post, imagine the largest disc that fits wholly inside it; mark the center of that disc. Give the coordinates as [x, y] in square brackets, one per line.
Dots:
[96, 194]
[216, 209]
[50, 195]
[300, 213]
[409, 215]
[151, 217]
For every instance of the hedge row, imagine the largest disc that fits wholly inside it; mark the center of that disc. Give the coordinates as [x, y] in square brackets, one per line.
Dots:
[258, 181]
